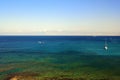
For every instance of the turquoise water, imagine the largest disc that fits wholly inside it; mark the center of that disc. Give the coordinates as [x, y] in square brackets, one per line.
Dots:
[72, 54]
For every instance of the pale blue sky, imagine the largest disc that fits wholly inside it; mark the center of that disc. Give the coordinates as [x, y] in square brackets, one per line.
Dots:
[60, 17]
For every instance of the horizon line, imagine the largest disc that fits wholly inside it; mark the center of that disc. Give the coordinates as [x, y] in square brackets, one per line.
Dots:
[54, 35]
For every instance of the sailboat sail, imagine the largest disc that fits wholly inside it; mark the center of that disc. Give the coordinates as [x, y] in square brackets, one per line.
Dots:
[106, 47]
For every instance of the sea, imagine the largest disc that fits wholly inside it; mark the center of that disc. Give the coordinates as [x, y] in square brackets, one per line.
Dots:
[81, 55]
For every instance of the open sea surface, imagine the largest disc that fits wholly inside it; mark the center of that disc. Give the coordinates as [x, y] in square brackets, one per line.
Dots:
[66, 56]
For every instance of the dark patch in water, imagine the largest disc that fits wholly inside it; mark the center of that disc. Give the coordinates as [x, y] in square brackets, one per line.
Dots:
[73, 52]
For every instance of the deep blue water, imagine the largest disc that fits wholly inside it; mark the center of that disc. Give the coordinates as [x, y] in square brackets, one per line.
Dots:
[91, 45]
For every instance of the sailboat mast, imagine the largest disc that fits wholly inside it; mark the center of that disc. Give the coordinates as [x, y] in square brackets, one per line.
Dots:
[106, 47]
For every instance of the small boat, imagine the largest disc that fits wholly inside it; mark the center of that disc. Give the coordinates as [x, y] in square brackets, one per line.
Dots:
[106, 47]
[40, 42]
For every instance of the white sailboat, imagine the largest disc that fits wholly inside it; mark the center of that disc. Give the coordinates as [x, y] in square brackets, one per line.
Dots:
[40, 42]
[106, 46]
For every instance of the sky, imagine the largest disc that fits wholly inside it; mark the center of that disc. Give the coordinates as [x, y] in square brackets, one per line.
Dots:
[60, 17]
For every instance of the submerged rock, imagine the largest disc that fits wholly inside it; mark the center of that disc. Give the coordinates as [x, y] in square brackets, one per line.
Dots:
[15, 78]
[22, 76]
